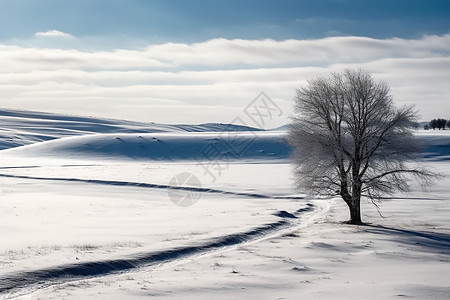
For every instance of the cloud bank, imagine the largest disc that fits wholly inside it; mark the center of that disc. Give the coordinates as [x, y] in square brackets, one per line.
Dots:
[213, 81]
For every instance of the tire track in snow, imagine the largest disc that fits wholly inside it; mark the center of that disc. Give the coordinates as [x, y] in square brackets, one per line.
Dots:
[152, 186]
[36, 279]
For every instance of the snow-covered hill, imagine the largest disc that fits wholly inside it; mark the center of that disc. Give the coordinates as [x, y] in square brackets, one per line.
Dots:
[18, 128]
[167, 146]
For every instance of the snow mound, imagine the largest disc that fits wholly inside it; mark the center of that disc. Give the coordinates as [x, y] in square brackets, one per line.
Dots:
[167, 146]
[18, 128]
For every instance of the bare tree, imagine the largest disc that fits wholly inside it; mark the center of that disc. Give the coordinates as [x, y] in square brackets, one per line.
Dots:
[350, 140]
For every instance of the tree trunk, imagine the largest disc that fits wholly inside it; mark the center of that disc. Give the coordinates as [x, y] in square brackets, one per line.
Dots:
[355, 202]
[354, 208]
[355, 212]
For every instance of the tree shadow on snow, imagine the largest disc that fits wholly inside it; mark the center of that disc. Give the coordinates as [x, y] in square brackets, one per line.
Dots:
[429, 241]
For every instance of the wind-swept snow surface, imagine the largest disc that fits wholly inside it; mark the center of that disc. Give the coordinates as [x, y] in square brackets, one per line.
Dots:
[85, 213]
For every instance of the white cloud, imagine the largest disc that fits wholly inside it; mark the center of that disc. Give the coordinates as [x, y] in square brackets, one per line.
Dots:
[53, 33]
[216, 79]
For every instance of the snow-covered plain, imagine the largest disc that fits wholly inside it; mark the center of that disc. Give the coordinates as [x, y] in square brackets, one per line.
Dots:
[86, 213]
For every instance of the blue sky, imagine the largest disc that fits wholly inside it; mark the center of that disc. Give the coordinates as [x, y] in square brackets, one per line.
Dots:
[157, 60]
[150, 21]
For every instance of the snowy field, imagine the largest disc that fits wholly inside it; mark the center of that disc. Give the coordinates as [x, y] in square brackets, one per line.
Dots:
[87, 212]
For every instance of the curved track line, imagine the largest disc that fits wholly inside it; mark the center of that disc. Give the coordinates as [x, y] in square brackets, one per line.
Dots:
[153, 186]
[46, 277]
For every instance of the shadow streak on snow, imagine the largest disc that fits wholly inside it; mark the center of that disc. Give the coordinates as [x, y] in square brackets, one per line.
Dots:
[60, 274]
[20, 167]
[153, 186]
[431, 242]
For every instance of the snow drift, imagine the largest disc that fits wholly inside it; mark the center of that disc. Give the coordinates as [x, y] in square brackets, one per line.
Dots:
[18, 128]
[162, 147]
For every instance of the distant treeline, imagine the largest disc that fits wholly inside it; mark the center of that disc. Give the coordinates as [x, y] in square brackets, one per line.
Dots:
[437, 124]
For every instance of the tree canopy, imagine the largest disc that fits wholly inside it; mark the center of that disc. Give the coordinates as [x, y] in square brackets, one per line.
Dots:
[349, 139]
